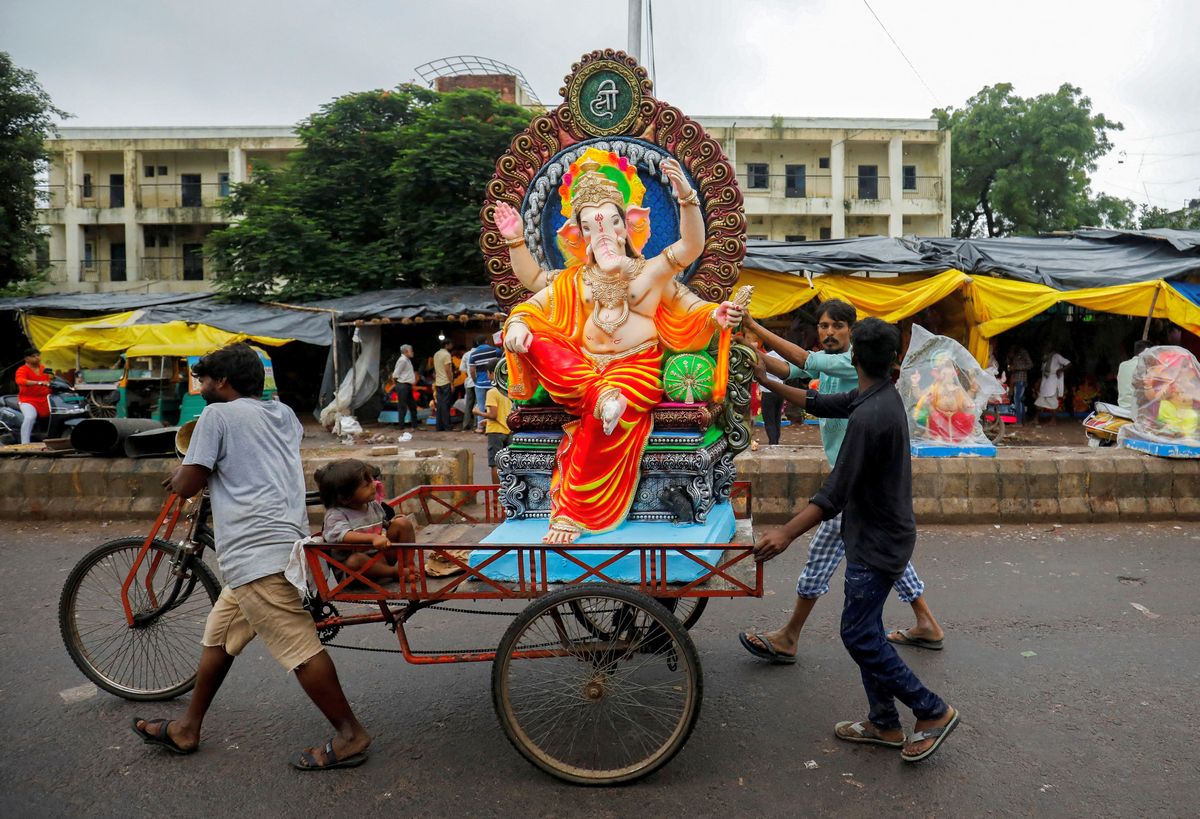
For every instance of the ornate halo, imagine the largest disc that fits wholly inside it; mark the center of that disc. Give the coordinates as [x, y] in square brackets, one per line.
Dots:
[527, 179]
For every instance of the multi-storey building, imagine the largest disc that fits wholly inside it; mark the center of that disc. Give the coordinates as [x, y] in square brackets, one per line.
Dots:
[130, 208]
[806, 179]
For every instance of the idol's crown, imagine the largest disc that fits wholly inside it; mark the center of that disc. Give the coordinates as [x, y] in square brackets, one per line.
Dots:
[593, 188]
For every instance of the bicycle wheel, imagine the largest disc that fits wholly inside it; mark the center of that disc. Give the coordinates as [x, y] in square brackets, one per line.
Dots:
[687, 611]
[155, 661]
[597, 710]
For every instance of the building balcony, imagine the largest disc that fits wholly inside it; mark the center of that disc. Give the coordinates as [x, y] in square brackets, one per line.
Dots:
[786, 194]
[189, 268]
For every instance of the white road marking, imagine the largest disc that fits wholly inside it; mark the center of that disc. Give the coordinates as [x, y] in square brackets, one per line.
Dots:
[79, 693]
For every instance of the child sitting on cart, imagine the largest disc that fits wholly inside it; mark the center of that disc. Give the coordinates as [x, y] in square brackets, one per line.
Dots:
[355, 514]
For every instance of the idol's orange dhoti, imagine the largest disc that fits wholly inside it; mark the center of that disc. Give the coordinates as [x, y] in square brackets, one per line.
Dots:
[596, 475]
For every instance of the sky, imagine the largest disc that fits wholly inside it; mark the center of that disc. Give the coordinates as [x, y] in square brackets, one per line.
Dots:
[133, 63]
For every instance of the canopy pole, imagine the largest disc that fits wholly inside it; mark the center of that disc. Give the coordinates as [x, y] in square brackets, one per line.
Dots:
[1150, 315]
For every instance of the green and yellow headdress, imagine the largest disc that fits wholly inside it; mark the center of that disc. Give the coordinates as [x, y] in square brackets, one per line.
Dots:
[596, 178]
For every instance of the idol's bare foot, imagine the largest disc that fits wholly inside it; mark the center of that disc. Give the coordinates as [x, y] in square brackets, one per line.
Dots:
[560, 535]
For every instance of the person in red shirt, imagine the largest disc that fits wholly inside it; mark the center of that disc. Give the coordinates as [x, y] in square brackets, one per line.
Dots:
[33, 389]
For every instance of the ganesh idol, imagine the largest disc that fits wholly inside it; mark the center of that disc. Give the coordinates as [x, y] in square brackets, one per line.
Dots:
[593, 334]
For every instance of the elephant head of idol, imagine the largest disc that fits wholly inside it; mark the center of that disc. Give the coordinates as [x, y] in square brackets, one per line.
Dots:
[601, 198]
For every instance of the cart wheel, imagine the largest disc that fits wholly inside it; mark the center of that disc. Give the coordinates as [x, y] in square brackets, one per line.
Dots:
[597, 708]
[98, 408]
[687, 611]
[993, 427]
[155, 661]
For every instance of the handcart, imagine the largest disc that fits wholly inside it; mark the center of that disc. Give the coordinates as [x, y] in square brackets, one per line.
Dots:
[615, 691]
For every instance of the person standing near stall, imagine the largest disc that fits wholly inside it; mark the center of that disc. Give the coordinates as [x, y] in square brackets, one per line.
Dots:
[33, 391]
[405, 377]
[443, 382]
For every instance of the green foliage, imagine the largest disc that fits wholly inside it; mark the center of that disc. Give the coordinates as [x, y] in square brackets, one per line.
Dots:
[1186, 218]
[385, 193]
[26, 120]
[1020, 165]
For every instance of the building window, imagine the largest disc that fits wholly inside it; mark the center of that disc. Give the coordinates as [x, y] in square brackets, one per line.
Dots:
[757, 176]
[910, 177]
[825, 233]
[164, 240]
[162, 170]
[193, 263]
[189, 188]
[795, 237]
[89, 255]
[868, 181]
[87, 186]
[149, 171]
[823, 163]
[794, 178]
[149, 240]
[222, 184]
[762, 237]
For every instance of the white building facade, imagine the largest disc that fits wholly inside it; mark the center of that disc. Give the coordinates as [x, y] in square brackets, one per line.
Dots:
[129, 209]
[807, 179]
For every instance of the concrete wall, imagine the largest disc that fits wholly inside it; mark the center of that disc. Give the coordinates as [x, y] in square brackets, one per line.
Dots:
[98, 488]
[1063, 485]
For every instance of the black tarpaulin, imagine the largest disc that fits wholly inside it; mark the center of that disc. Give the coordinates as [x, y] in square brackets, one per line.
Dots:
[408, 303]
[1085, 258]
[881, 254]
[248, 317]
[97, 302]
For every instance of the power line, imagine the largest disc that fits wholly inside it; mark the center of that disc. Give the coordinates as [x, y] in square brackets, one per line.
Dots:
[650, 44]
[1163, 136]
[932, 95]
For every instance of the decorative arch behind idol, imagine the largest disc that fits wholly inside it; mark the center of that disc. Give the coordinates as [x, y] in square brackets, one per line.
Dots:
[607, 105]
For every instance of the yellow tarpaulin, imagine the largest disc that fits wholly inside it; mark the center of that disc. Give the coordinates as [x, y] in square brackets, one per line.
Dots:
[992, 305]
[40, 329]
[175, 338]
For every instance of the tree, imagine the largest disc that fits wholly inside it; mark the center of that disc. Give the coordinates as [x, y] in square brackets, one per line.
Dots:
[1020, 165]
[26, 120]
[386, 192]
[1186, 218]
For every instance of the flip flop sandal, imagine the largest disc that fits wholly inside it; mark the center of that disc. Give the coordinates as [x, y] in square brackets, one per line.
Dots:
[161, 738]
[766, 651]
[857, 732]
[906, 639]
[938, 735]
[304, 761]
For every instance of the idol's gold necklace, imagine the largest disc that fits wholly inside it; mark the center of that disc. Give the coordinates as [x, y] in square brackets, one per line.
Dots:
[610, 293]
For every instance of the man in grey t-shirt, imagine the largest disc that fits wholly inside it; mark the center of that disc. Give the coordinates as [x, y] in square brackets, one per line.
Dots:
[247, 451]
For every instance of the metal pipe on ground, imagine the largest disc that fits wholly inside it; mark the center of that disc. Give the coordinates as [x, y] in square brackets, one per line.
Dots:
[151, 442]
[106, 436]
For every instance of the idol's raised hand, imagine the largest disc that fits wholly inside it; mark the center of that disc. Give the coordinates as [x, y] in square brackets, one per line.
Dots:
[508, 221]
[678, 181]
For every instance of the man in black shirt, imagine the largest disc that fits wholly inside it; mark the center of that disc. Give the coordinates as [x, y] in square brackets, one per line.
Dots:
[872, 484]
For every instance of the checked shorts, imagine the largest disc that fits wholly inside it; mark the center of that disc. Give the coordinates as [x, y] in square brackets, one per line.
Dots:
[825, 552]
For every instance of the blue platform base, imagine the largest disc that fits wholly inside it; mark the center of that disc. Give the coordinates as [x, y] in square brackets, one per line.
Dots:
[718, 529]
[926, 449]
[389, 417]
[1162, 450]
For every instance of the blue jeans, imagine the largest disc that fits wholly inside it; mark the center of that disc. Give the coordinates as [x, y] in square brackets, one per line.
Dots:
[885, 676]
[469, 419]
[1018, 388]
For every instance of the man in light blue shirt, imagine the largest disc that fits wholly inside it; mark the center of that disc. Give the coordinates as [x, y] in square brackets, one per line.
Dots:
[833, 368]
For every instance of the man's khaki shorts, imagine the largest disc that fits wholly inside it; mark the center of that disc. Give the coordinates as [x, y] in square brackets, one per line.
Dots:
[269, 607]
